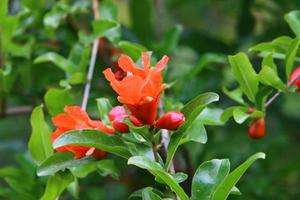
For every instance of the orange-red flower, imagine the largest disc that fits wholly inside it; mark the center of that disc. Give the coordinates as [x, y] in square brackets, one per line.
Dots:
[76, 119]
[140, 89]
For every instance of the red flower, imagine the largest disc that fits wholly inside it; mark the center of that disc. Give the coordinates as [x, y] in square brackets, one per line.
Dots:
[295, 75]
[75, 119]
[171, 120]
[116, 116]
[140, 89]
[257, 128]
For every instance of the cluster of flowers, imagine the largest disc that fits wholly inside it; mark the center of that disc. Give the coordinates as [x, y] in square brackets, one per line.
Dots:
[139, 91]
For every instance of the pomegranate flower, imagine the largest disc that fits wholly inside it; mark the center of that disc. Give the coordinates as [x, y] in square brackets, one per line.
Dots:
[140, 88]
[76, 119]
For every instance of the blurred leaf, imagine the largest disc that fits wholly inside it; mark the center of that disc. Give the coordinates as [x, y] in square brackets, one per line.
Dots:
[157, 170]
[244, 73]
[56, 100]
[93, 138]
[236, 95]
[268, 76]
[269, 61]
[211, 116]
[58, 60]
[195, 132]
[133, 50]
[229, 182]
[73, 188]
[290, 56]
[293, 19]
[180, 177]
[59, 12]
[240, 114]
[147, 193]
[228, 112]
[56, 185]
[104, 107]
[39, 144]
[208, 177]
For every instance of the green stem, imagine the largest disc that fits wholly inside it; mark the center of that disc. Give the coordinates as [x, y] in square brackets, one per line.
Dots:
[154, 146]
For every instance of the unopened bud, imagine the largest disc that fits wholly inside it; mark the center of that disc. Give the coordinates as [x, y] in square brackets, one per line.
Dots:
[171, 120]
[257, 128]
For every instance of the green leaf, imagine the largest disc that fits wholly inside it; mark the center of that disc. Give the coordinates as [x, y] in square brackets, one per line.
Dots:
[229, 182]
[133, 50]
[93, 138]
[104, 107]
[194, 107]
[269, 61]
[268, 76]
[207, 178]
[195, 132]
[236, 95]
[56, 100]
[39, 144]
[157, 170]
[148, 193]
[3, 8]
[180, 177]
[290, 56]
[59, 162]
[58, 60]
[293, 19]
[56, 185]
[244, 73]
[240, 114]
[211, 116]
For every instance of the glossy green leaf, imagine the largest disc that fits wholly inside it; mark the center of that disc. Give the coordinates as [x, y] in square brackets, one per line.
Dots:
[240, 115]
[195, 132]
[56, 100]
[291, 55]
[229, 182]
[57, 60]
[268, 76]
[59, 162]
[39, 144]
[293, 19]
[93, 138]
[269, 61]
[157, 170]
[207, 178]
[244, 73]
[104, 107]
[56, 185]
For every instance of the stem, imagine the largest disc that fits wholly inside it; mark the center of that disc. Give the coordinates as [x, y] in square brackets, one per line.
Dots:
[89, 78]
[154, 147]
[290, 83]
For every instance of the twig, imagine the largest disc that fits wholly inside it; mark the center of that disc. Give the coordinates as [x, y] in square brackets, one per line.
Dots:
[87, 87]
[290, 83]
[154, 147]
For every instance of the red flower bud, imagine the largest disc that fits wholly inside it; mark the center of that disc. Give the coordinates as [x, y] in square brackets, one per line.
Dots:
[295, 75]
[257, 129]
[171, 120]
[119, 125]
[116, 111]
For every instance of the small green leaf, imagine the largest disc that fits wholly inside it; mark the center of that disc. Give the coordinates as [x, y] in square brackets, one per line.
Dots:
[244, 73]
[39, 144]
[293, 19]
[180, 177]
[269, 61]
[93, 138]
[195, 132]
[58, 60]
[207, 178]
[240, 115]
[56, 185]
[104, 107]
[148, 193]
[290, 56]
[229, 182]
[56, 100]
[157, 170]
[236, 95]
[268, 76]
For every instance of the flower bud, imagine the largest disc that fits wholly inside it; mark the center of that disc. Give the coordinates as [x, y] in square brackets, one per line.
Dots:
[119, 125]
[257, 128]
[171, 120]
[116, 112]
[295, 78]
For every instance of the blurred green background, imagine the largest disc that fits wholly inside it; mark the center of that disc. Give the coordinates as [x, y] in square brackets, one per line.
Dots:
[208, 31]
